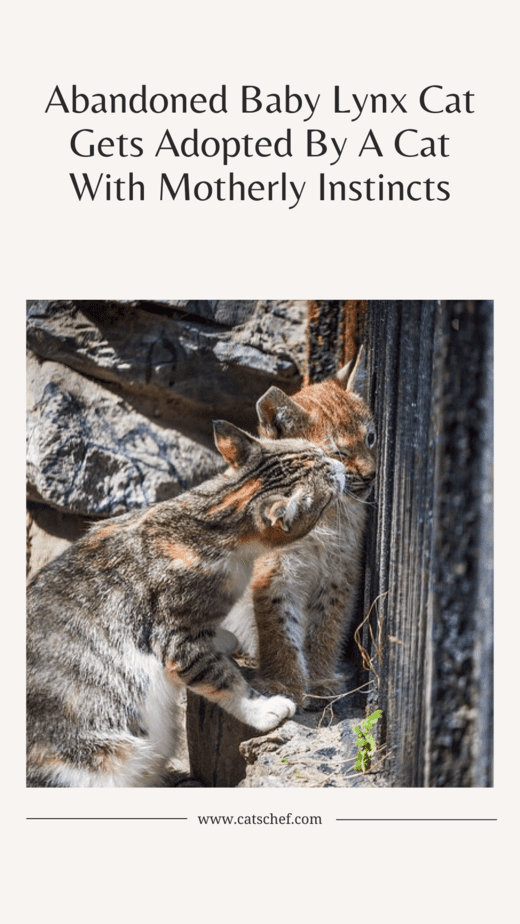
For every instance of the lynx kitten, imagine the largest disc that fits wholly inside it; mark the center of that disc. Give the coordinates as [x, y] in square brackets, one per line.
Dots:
[297, 611]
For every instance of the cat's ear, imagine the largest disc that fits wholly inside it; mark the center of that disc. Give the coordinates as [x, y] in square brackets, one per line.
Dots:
[279, 415]
[353, 376]
[234, 445]
[281, 511]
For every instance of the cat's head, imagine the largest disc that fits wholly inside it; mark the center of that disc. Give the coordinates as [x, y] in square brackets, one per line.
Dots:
[333, 415]
[281, 486]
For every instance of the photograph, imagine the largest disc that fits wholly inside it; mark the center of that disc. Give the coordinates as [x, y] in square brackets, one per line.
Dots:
[259, 543]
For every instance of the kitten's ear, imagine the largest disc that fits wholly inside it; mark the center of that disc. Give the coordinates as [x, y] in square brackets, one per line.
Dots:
[353, 376]
[281, 511]
[279, 415]
[234, 445]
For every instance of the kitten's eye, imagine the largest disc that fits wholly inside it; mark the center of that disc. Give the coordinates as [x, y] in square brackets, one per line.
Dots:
[370, 438]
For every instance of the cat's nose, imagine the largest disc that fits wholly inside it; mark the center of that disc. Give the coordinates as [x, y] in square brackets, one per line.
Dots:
[339, 473]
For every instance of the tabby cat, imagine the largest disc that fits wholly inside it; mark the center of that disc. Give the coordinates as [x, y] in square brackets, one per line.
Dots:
[297, 611]
[132, 609]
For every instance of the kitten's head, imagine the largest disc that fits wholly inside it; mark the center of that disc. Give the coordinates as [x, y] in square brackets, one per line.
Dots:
[333, 415]
[282, 487]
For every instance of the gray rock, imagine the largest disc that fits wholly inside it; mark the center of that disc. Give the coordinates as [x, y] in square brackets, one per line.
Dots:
[187, 358]
[90, 451]
[313, 750]
[229, 313]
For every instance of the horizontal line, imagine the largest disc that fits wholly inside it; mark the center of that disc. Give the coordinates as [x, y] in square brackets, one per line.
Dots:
[160, 818]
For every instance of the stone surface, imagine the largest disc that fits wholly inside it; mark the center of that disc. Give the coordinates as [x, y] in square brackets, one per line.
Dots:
[90, 452]
[314, 749]
[227, 312]
[311, 751]
[179, 358]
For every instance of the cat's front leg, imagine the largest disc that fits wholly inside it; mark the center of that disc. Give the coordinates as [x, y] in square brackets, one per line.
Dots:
[211, 674]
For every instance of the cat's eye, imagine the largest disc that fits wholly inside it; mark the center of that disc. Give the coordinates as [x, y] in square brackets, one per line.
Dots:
[370, 438]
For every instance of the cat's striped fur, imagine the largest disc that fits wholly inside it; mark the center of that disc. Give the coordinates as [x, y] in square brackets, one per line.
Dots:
[297, 611]
[131, 610]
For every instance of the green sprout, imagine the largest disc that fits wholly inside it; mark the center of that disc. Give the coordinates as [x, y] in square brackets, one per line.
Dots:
[285, 761]
[366, 742]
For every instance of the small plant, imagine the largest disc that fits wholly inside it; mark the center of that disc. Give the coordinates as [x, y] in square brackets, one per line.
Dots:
[285, 761]
[365, 741]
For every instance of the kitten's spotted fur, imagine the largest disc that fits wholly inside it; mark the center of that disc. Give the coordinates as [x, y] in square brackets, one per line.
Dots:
[132, 609]
[302, 598]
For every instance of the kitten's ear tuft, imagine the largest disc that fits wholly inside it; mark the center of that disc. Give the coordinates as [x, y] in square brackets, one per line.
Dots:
[279, 415]
[353, 376]
[234, 445]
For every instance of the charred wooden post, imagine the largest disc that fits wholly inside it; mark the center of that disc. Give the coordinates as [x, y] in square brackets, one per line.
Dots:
[324, 339]
[429, 546]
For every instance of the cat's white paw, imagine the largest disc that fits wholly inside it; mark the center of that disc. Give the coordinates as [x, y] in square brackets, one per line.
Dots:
[270, 711]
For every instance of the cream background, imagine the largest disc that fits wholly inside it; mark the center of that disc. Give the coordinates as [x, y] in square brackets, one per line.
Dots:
[55, 246]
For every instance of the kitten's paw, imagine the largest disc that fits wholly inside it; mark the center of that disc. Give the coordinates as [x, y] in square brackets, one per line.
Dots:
[269, 687]
[321, 692]
[269, 712]
[329, 686]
